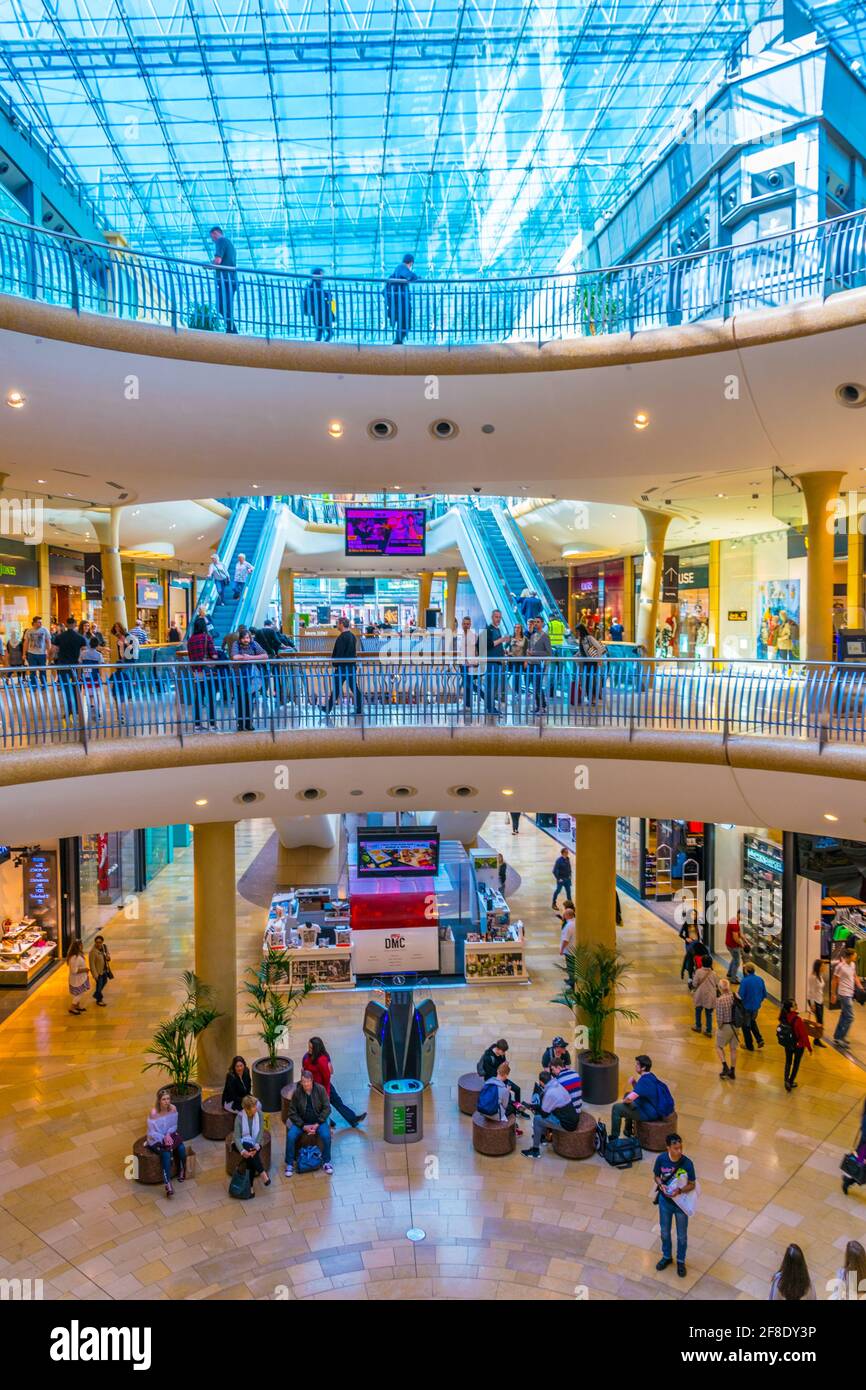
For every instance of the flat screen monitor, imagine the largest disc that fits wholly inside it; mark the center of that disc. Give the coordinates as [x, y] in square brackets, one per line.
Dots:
[386, 531]
[397, 853]
[5, 853]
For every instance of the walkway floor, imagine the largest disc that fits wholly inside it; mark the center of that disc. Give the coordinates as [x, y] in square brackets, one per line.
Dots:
[74, 1098]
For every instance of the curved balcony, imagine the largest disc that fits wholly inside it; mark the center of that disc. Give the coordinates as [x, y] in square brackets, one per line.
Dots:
[812, 703]
[809, 263]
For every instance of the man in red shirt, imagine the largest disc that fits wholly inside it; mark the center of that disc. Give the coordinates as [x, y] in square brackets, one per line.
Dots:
[735, 943]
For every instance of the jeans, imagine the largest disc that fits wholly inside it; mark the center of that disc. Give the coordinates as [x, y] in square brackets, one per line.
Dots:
[668, 1212]
[494, 682]
[293, 1134]
[846, 1018]
[244, 697]
[165, 1158]
[751, 1031]
[563, 885]
[348, 675]
[623, 1110]
[222, 588]
[101, 981]
[37, 661]
[541, 1123]
[734, 967]
[202, 689]
[709, 1013]
[470, 686]
[342, 1108]
[793, 1058]
[537, 678]
[66, 681]
[226, 287]
[238, 592]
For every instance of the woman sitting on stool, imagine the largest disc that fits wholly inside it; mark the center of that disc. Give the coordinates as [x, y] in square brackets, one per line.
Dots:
[238, 1086]
[249, 1129]
[163, 1139]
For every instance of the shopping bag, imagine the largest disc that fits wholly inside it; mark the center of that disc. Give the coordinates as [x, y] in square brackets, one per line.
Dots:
[240, 1185]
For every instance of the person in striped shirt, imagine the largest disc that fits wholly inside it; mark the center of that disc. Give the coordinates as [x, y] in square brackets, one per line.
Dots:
[561, 1104]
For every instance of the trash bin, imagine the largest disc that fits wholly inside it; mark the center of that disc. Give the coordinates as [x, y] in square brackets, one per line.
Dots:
[404, 1111]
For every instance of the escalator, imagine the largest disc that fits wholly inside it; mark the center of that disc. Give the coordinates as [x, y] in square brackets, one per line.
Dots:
[258, 534]
[500, 563]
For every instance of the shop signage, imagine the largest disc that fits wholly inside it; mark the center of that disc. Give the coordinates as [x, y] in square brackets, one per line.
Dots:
[93, 576]
[588, 586]
[670, 578]
[762, 855]
[40, 886]
[148, 594]
[737, 615]
[698, 577]
[410, 948]
[14, 570]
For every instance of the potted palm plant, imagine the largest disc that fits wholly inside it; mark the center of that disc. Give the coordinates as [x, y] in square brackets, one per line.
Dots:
[173, 1048]
[591, 976]
[273, 1002]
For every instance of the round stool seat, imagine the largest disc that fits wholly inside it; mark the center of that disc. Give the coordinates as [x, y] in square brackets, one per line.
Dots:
[285, 1096]
[216, 1121]
[493, 1138]
[148, 1167]
[577, 1143]
[233, 1158]
[652, 1134]
[468, 1091]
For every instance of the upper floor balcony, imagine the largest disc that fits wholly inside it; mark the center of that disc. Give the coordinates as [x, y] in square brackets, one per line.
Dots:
[797, 266]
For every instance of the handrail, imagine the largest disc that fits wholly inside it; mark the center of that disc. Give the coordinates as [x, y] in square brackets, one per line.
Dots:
[803, 263]
[226, 548]
[426, 685]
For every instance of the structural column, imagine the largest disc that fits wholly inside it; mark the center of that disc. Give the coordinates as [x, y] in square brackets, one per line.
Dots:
[715, 585]
[425, 589]
[628, 598]
[287, 598]
[452, 578]
[855, 616]
[215, 892]
[595, 911]
[821, 493]
[656, 524]
[107, 528]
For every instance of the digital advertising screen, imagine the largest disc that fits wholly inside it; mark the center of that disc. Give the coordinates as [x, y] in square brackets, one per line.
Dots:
[385, 531]
[384, 854]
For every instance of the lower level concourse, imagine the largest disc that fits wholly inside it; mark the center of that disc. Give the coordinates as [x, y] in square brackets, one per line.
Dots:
[74, 1098]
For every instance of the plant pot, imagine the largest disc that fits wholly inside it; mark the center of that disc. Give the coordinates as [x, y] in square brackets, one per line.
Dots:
[188, 1103]
[268, 1083]
[599, 1080]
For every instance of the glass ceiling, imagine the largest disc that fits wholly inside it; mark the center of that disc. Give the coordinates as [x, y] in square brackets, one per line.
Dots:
[484, 135]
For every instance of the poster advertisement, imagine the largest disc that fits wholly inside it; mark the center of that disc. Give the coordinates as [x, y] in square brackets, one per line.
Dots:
[779, 610]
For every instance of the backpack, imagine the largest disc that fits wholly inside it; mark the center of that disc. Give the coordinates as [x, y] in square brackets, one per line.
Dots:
[664, 1101]
[785, 1035]
[739, 1013]
[309, 1158]
[488, 1100]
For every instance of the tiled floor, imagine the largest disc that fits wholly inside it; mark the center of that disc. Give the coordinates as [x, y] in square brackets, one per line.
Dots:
[73, 1097]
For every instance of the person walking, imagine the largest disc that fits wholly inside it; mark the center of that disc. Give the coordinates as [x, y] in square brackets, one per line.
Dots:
[318, 305]
[317, 1061]
[398, 298]
[859, 1152]
[226, 272]
[220, 576]
[163, 1138]
[37, 644]
[736, 944]
[843, 983]
[99, 960]
[704, 985]
[726, 1033]
[815, 996]
[249, 1134]
[344, 669]
[792, 1036]
[791, 1282]
[78, 980]
[67, 649]
[243, 570]
[675, 1180]
[851, 1278]
[561, 875]
[753, 992]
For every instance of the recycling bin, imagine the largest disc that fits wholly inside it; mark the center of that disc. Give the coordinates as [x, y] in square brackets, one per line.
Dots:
[404, 1111]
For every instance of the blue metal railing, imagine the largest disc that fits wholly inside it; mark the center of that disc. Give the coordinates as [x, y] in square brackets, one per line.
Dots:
[423, 684]
[804, 263]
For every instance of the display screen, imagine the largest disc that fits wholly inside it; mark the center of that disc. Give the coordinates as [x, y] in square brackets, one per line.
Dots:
[385, 530]
[389, 854]
[5, 853]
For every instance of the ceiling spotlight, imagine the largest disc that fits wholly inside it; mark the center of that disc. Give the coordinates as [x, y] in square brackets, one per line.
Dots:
[202, 801]
[641, 420]
[41, 480]
[15, 400]
[721, 494]
[335, 429]
[828, 815]
[507, 791]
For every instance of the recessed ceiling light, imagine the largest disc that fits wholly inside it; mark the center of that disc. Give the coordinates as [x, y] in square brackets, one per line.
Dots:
[202, 801]
[641, 420]
[16, 400]
[828, 815]
[721, 494]
[41, 480]
[335, 429]
[507, 791]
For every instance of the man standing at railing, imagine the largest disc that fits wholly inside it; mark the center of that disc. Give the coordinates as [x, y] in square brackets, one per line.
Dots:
[539, 650]
[67, 651]
[318, 305]
[226, 276]
[398, 298]
[37, 644]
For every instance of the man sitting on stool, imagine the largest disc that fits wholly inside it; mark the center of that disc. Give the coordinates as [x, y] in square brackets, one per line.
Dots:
[642, 1101]
[309, 1109]
[561, 1104]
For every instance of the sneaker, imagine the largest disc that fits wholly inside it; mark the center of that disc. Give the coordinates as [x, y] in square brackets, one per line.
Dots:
[100, 1003]
[761, 1044]
[662, 1264]
[697, 1030]
[359, 1119]
[327, 1167]
[681, 1271]
[289, 1170]
[732, 1073]
[724, 1074]
[531, 1153]
[169, 1190]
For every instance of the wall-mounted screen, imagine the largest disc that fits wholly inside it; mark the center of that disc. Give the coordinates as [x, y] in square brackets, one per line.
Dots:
[395, 853]
[385, 531]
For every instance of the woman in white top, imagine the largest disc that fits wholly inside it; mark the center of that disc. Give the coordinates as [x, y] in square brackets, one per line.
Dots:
[79, 982]
[815, 995]
[791, 1282]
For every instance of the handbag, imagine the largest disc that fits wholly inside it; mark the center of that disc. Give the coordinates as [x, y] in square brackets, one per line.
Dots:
[240, 1186]
[813, 1027]
[859, 994]
[854, 1169]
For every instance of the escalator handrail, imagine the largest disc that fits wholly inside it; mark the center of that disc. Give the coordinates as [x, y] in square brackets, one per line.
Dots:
[486, 561]
[252, 597]
[225, 550]
[525, 561]
[506, 603]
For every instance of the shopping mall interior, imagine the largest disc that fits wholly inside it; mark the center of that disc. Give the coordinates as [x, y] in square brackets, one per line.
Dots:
[450, 422]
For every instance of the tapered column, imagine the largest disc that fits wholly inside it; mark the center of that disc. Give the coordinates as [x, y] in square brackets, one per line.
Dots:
[854, 616]
[287, 598]
[107, 528]
[425, 588]
[215, 892]
[452, 578]
[628, 598]
[820, 492]
[595, 911]
[715, 614]
[656, 524]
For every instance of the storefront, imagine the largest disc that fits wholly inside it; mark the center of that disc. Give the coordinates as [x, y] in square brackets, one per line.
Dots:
[30, 923]
[115, 866]
[831, 916]
[19, 589]
[663, 861]
[597, 595]
[762, 597]
[749, 878]
[684, 624]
